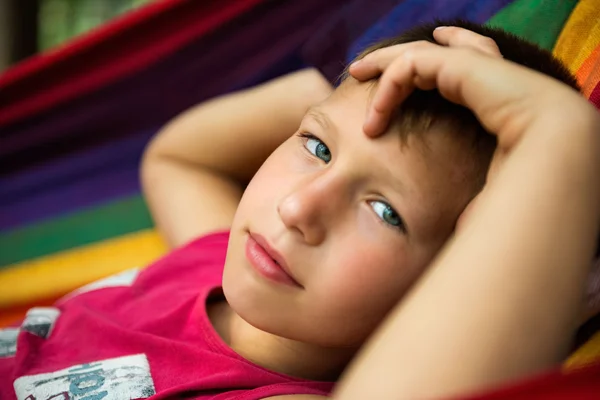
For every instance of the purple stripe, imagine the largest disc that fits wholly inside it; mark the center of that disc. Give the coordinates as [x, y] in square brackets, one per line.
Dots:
[114, 183]
[363, 22]
[83, 179]
[216, 63]
[413, 12]
[326, 49]
[17, 187]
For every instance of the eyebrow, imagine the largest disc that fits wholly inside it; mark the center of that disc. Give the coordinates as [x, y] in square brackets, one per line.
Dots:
[326, 124]
[320, 117]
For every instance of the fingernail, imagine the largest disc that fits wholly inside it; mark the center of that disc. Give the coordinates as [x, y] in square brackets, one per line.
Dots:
[439, 28]
[355, 63]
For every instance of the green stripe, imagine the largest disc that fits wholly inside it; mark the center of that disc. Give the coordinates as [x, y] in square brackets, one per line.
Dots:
[90, 225]
[539, 21]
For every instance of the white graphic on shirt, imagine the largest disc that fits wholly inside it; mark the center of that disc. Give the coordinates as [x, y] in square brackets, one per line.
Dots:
[40, 321]
[118, 378]
[125, 278]
[8, 341]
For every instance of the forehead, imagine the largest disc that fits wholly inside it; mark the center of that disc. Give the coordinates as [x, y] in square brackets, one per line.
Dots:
[433, 168]
[349, 102]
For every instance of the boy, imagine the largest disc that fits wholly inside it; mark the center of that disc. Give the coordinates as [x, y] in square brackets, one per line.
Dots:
[331, 231]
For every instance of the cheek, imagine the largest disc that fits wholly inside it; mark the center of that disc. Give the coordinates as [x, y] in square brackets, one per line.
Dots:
[369, 271]
[358, 288]
[270, 175]
[265, 187]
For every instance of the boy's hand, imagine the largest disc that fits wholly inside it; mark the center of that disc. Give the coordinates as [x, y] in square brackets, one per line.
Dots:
[506, 98]
[453, 36]
[387, 61]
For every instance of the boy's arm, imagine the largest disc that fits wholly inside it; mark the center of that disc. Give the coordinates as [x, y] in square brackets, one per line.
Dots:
[502, 299]
[193, 172]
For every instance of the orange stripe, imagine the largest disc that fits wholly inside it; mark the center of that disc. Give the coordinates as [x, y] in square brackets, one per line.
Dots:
[589, 73]
[15, 315]
[592, 82]
[588, 65]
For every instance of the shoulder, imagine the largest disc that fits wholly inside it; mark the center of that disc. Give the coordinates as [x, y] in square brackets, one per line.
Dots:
[196, 259]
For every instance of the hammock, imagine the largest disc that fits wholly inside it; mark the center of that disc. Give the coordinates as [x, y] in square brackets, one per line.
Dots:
[74, 121]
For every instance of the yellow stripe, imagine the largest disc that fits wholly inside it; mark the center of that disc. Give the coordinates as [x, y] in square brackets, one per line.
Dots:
[580, 36]
[586, 354]
[57, 274]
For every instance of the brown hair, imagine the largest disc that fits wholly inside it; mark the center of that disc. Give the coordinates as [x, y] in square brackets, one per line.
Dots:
[423, 110]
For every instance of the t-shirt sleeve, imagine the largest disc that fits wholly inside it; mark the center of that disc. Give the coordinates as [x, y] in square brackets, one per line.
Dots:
[196, 264]
[202, 258]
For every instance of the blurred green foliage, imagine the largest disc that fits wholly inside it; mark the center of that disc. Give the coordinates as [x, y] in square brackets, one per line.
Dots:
[60, 20]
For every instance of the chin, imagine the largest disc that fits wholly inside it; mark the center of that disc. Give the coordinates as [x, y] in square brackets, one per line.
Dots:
[251, 309]
[274, 316]
[258, 306]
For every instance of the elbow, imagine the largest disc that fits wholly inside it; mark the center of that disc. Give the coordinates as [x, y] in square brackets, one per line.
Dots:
[151, 158]
[146, 170]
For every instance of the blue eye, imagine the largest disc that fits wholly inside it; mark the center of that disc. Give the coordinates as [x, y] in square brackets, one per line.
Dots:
[317, 148]
[387, 214]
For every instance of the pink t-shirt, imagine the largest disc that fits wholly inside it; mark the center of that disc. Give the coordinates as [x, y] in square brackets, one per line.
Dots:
[140, 334]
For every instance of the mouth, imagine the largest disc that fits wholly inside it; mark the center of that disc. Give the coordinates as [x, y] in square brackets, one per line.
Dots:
[268, 262]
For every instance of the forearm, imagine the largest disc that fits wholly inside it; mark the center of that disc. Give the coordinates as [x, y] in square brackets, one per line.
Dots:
[502, 299]
[233, 134]
[194, 171]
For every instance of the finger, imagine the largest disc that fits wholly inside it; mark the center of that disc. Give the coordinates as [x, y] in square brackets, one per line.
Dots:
[468, 78]
[363, 70]
[373, 64]
[394, 86]
[453, 36]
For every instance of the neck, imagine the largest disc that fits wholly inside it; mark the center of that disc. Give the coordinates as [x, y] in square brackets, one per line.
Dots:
[276, 353]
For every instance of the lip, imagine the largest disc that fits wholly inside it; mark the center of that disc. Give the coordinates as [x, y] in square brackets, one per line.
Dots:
[267, 261]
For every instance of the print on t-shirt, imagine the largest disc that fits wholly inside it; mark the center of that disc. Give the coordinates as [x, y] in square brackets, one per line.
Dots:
[8, 341]
[118, 378]
[125, 278]
[39, 321]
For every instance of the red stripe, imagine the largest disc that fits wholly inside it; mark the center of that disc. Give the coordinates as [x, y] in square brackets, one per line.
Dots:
[113, 51]
[127, 21]
[595, 96]
[581, 384]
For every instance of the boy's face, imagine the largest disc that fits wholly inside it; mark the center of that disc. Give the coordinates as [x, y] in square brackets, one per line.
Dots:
[355, 221]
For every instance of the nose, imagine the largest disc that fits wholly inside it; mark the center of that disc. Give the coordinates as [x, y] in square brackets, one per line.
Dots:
[312, 207]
